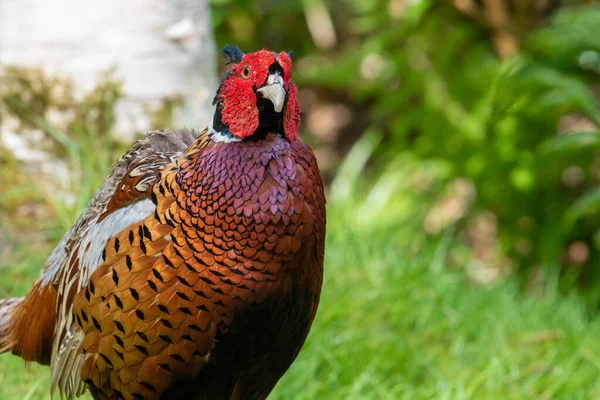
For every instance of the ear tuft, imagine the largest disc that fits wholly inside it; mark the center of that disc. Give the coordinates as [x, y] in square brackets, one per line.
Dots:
[289, 53]
[232, 53]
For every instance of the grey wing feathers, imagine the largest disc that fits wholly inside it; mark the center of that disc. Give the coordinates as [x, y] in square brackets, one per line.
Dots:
[90, 233]
[154, 142]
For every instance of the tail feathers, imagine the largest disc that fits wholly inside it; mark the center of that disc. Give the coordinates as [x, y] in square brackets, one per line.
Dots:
[7, 308]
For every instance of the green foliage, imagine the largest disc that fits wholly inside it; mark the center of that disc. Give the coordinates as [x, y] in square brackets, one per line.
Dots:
[257, 24]
[495, 122]
[427, 79]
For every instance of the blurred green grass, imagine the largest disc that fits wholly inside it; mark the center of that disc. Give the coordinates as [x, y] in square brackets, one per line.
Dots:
[394, 323]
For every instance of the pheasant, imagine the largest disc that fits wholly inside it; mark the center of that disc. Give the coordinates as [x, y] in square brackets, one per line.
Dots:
[195, 272]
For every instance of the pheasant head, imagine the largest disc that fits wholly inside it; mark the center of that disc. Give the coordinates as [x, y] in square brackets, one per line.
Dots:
[256, 97]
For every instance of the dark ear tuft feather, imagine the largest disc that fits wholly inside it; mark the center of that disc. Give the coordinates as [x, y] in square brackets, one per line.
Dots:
[232, 53]
[289, 53]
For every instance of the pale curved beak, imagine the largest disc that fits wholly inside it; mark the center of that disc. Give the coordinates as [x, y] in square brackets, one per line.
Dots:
[274, 91]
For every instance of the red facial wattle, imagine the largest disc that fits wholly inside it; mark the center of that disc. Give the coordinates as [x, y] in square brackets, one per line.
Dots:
[285, 61]
[240, 111]
[259, 63]
[291, 117]
[239, 107]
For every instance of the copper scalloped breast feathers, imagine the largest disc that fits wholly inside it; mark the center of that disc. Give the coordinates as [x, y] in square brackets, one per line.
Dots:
[229, 261]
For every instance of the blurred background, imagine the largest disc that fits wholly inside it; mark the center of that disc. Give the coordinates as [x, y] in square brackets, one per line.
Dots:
[458, 139]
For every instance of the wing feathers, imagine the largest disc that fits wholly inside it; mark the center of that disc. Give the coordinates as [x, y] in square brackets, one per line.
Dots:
[123, 200]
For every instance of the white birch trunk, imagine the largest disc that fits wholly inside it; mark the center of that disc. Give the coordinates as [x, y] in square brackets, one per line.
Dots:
[162, 49]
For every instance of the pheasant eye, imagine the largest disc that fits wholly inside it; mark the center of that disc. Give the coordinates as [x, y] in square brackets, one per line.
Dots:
[246, 72]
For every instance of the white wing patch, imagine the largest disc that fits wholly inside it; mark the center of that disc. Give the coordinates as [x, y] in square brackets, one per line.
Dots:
[66, 362]
[94, 242]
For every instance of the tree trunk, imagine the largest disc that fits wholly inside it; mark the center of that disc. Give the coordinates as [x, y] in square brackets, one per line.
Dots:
[162, 50]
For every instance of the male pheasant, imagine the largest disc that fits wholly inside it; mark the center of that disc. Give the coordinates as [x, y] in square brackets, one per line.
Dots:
[195, 271]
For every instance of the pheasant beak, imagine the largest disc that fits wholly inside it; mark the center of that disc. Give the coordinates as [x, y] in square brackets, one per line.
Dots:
[274, 91]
